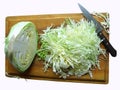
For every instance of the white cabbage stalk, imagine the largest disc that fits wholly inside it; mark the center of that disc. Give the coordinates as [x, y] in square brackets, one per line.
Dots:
[71, 49]
[21, 45]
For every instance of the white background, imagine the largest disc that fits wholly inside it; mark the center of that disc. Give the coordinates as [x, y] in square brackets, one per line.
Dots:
[37, 7]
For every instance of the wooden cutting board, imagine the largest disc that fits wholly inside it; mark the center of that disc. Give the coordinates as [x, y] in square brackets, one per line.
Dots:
[36, 69]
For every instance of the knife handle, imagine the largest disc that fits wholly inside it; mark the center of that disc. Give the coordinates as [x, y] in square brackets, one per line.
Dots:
[107, 45]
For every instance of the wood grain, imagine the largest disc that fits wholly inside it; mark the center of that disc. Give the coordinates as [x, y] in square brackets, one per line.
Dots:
[36, 69]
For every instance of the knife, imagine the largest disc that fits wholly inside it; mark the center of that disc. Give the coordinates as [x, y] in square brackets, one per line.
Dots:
[99, 29]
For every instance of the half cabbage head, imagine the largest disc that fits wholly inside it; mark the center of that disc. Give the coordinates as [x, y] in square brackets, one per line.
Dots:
[21, 45]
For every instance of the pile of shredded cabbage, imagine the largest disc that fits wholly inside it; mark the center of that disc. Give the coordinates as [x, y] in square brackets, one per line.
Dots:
[71, 49]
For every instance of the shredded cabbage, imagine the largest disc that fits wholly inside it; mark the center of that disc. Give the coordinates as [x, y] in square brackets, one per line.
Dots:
[71, 49]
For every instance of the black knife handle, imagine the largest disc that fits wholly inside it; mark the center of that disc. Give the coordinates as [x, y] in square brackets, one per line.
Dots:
[107, 45]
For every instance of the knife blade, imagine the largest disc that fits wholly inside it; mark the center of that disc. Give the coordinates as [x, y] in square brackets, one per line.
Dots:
[99, 29]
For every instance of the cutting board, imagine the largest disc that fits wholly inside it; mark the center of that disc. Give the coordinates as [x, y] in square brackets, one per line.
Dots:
[36, 70]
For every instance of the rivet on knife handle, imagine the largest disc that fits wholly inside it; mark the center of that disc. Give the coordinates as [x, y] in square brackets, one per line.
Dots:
[107, 45]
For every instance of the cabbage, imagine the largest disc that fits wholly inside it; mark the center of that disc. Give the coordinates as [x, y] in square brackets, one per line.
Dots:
[71, 49]
[21, 45]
